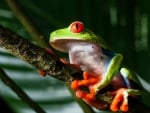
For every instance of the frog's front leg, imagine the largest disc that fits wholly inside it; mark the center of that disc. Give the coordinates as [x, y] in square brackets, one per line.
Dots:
[111, 70]
[88, 81]
[88, 96]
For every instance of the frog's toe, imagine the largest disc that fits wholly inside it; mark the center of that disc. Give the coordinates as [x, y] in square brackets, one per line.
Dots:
[84, 95]
[90, 97]
[74, 84]
[124, 107]
[86, 75]
[50, 51]
[42, 73]
[120, 101]
[80, 94]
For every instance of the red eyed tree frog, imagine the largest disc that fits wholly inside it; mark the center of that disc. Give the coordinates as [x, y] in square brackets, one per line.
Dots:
[101, 67]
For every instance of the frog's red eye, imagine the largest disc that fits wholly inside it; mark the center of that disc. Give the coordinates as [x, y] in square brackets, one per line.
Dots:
[77, 27]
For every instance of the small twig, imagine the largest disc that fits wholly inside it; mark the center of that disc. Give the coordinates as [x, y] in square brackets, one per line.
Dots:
[43, 14]
[20, 92]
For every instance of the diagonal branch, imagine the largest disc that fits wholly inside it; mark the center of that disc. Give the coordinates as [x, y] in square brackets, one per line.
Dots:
[34, 55]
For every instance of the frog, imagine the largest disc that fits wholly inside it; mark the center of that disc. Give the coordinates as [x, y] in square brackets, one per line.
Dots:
[100, 65]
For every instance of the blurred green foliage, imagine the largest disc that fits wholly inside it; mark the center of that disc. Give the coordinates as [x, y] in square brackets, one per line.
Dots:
[124, 24]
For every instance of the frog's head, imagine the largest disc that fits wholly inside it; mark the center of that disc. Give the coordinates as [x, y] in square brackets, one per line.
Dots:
[75, 33]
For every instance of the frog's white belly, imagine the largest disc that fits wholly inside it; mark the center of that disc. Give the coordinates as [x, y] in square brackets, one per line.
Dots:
[89, 57]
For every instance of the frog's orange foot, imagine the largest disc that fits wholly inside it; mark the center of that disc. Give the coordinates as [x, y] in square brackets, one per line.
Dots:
[120, 101]
[64, 61]
[76, 84]
[85, 96]
[50, 51]
[42, 73]
[91, 99]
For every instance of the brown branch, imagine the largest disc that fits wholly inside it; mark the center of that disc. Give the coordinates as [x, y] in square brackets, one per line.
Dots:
[41, 59]
[34, 55]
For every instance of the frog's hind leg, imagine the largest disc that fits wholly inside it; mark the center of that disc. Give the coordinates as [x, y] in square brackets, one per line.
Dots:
[120, 101]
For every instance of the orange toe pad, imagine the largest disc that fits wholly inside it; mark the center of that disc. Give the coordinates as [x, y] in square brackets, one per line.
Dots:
[119, 99]
[42, 73]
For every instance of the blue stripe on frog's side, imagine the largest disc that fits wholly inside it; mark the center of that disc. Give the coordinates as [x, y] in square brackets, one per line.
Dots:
[110, 55]
[126, 80]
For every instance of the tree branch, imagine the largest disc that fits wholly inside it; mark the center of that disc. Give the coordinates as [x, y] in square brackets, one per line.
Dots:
[41, 59]
[34, 55]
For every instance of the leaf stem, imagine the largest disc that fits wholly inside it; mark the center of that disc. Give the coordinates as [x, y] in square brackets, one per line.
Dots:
[27, 22]
[20, 92]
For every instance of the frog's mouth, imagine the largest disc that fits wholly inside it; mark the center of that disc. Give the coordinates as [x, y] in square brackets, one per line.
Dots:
[65, 44]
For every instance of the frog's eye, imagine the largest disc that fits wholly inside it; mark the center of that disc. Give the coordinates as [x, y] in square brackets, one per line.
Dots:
[77, 27]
